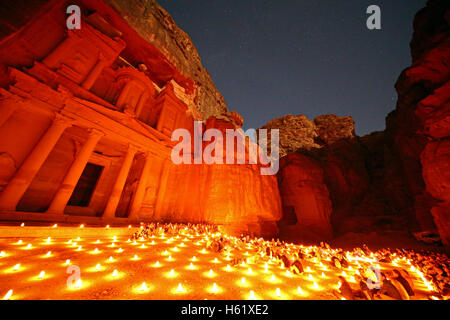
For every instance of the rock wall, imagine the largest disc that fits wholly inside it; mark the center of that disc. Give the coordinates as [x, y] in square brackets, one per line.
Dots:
[325, 172]
[306, 199]
[397, 179]
[296, 133]
[236, 197]
[420, 125]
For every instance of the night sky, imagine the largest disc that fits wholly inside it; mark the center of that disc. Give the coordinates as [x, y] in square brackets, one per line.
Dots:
[270, 58]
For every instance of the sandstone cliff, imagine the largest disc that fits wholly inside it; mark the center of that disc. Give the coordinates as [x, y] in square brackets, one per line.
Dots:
[420, 125]
[341, 173]
[397, 179]
[236, 197]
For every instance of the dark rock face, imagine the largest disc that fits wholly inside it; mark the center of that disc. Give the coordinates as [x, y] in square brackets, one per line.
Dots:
[397, 179]
[296, 132]
[305, 198]
[361, 176]
[419, 127]
[331, 128]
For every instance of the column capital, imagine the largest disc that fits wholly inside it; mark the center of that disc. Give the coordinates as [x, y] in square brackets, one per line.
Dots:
[132, 148]
[145, 153]
[101, 57]
[63, 120]
[95, 133]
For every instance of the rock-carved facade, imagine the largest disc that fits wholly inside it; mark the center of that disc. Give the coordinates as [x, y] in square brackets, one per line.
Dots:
[85, 133]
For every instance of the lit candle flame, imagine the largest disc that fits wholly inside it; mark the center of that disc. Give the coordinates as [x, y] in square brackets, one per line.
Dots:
[143, 287]
[78, 284]
[214, 288]
[180, 288]
[8, 295]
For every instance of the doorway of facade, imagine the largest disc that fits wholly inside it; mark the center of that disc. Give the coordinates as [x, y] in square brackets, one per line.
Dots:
[85, 187]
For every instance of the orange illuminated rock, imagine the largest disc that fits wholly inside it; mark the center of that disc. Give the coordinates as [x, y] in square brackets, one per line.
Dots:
[86, 117]
[436, 169]
[305, 197]
[420, 125]
[237, 197]
[393, 180]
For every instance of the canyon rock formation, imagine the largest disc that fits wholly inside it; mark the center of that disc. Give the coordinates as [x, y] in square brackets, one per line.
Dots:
[419, 126]
[397, 179]
[86, 118]
[306, 199]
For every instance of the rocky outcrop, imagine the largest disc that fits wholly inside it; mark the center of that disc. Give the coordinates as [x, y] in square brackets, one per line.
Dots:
[305, 197]
[295, 133]
[324, 171]
[419, 126]
[360, 180]
[236, 197]
[397, 179]
[331, 128]
[435, 160]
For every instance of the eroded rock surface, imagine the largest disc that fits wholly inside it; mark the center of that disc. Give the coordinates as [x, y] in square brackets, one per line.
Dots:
[392, 180]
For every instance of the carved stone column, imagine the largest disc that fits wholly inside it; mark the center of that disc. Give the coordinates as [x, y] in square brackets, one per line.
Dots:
[138, 198]
[71, 179]
[95, 72]
[116, 192]
[123, 95]
[22, 179]
[141, 104]
[162, 188]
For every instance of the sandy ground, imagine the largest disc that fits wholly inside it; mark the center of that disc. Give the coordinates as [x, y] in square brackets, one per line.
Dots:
[135, 263]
